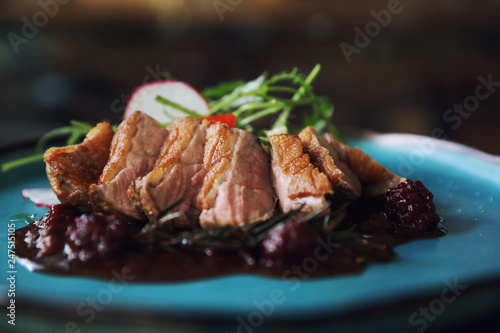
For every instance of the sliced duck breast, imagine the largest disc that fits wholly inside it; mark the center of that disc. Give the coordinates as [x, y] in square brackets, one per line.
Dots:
[344, 182]
[178, 173]
[374, 177]
[296, 181]
[134, 150]
[237, 189]
[72, 169]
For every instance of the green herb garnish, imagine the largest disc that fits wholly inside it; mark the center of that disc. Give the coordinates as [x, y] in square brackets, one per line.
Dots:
[75, 132]
[27, 218]
[179, 107]
[278, 95]
[275, 97]
[21, 161]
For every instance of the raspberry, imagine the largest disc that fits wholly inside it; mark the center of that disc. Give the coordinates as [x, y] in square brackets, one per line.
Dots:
[410, 205]
[290, 242]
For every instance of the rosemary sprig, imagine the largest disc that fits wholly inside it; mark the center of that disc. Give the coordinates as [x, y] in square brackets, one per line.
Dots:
[220, 238]
[235, 238]
[160, 221]
[260, 232]
[332, 220]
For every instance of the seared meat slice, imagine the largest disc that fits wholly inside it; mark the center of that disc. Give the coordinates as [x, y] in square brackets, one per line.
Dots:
[134, 150]
[319, 155]
[72, 169]
[344, 182]
[237, 188]
[296, 181]
[374, 177]
[178, 173]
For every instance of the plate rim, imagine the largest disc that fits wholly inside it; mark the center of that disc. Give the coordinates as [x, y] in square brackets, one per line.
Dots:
[398, 139]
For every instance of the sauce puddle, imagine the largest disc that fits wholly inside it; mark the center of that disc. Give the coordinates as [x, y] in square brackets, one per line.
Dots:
[67, 242]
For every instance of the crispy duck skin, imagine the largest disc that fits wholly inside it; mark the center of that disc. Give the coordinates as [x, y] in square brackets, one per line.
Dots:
[344, 182]
[374, 177]
[296, 181]
[72, 169]
[178, 173]
[237, 188]
[319, 155]
[134, 150]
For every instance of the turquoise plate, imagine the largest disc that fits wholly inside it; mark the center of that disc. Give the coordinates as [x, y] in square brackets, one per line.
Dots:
[436, 274]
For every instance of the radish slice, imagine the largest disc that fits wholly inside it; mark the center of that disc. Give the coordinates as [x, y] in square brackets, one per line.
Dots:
[144, 99]
[42, 196]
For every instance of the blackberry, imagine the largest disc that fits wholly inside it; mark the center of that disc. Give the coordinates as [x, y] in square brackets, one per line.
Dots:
[290, 242]
[93, 236]
[47, 234]
[410, 205]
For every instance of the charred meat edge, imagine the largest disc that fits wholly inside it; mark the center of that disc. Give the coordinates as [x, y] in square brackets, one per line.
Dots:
[237, 189]
[345, 183]
[374, 177]
[71, 170]
[296, 181]
[178, 173]
[134, 150]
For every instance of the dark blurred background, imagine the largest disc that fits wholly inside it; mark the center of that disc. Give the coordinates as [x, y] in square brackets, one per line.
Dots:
[81, 59]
